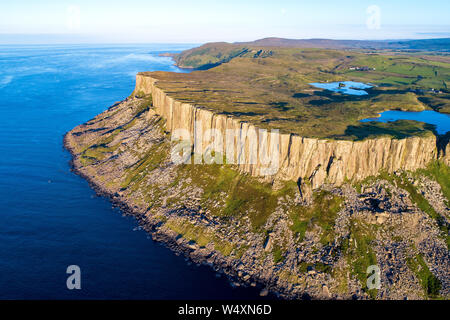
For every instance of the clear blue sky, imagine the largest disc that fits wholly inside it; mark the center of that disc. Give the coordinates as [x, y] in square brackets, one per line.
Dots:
[228, 20]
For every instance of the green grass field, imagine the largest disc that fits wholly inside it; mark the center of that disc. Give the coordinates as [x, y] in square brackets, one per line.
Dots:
[269, 87]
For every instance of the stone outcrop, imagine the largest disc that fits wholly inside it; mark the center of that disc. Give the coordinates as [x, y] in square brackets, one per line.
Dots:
[318, 161]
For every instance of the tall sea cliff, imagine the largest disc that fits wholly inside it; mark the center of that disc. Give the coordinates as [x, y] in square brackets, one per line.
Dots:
[315, 160]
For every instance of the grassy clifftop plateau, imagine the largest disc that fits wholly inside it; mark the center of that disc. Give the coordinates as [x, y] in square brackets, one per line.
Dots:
[269, 86]
[296, 237]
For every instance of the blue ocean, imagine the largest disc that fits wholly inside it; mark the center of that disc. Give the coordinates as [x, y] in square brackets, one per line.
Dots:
[49, 217]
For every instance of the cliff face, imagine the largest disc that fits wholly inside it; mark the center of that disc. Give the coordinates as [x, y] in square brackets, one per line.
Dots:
[317, 160]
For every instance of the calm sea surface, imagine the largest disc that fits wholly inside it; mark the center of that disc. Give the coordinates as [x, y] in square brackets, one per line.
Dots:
[49, 217]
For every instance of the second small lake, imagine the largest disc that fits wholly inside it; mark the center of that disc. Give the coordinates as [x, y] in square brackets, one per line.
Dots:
[440, 120]
[345, 87]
